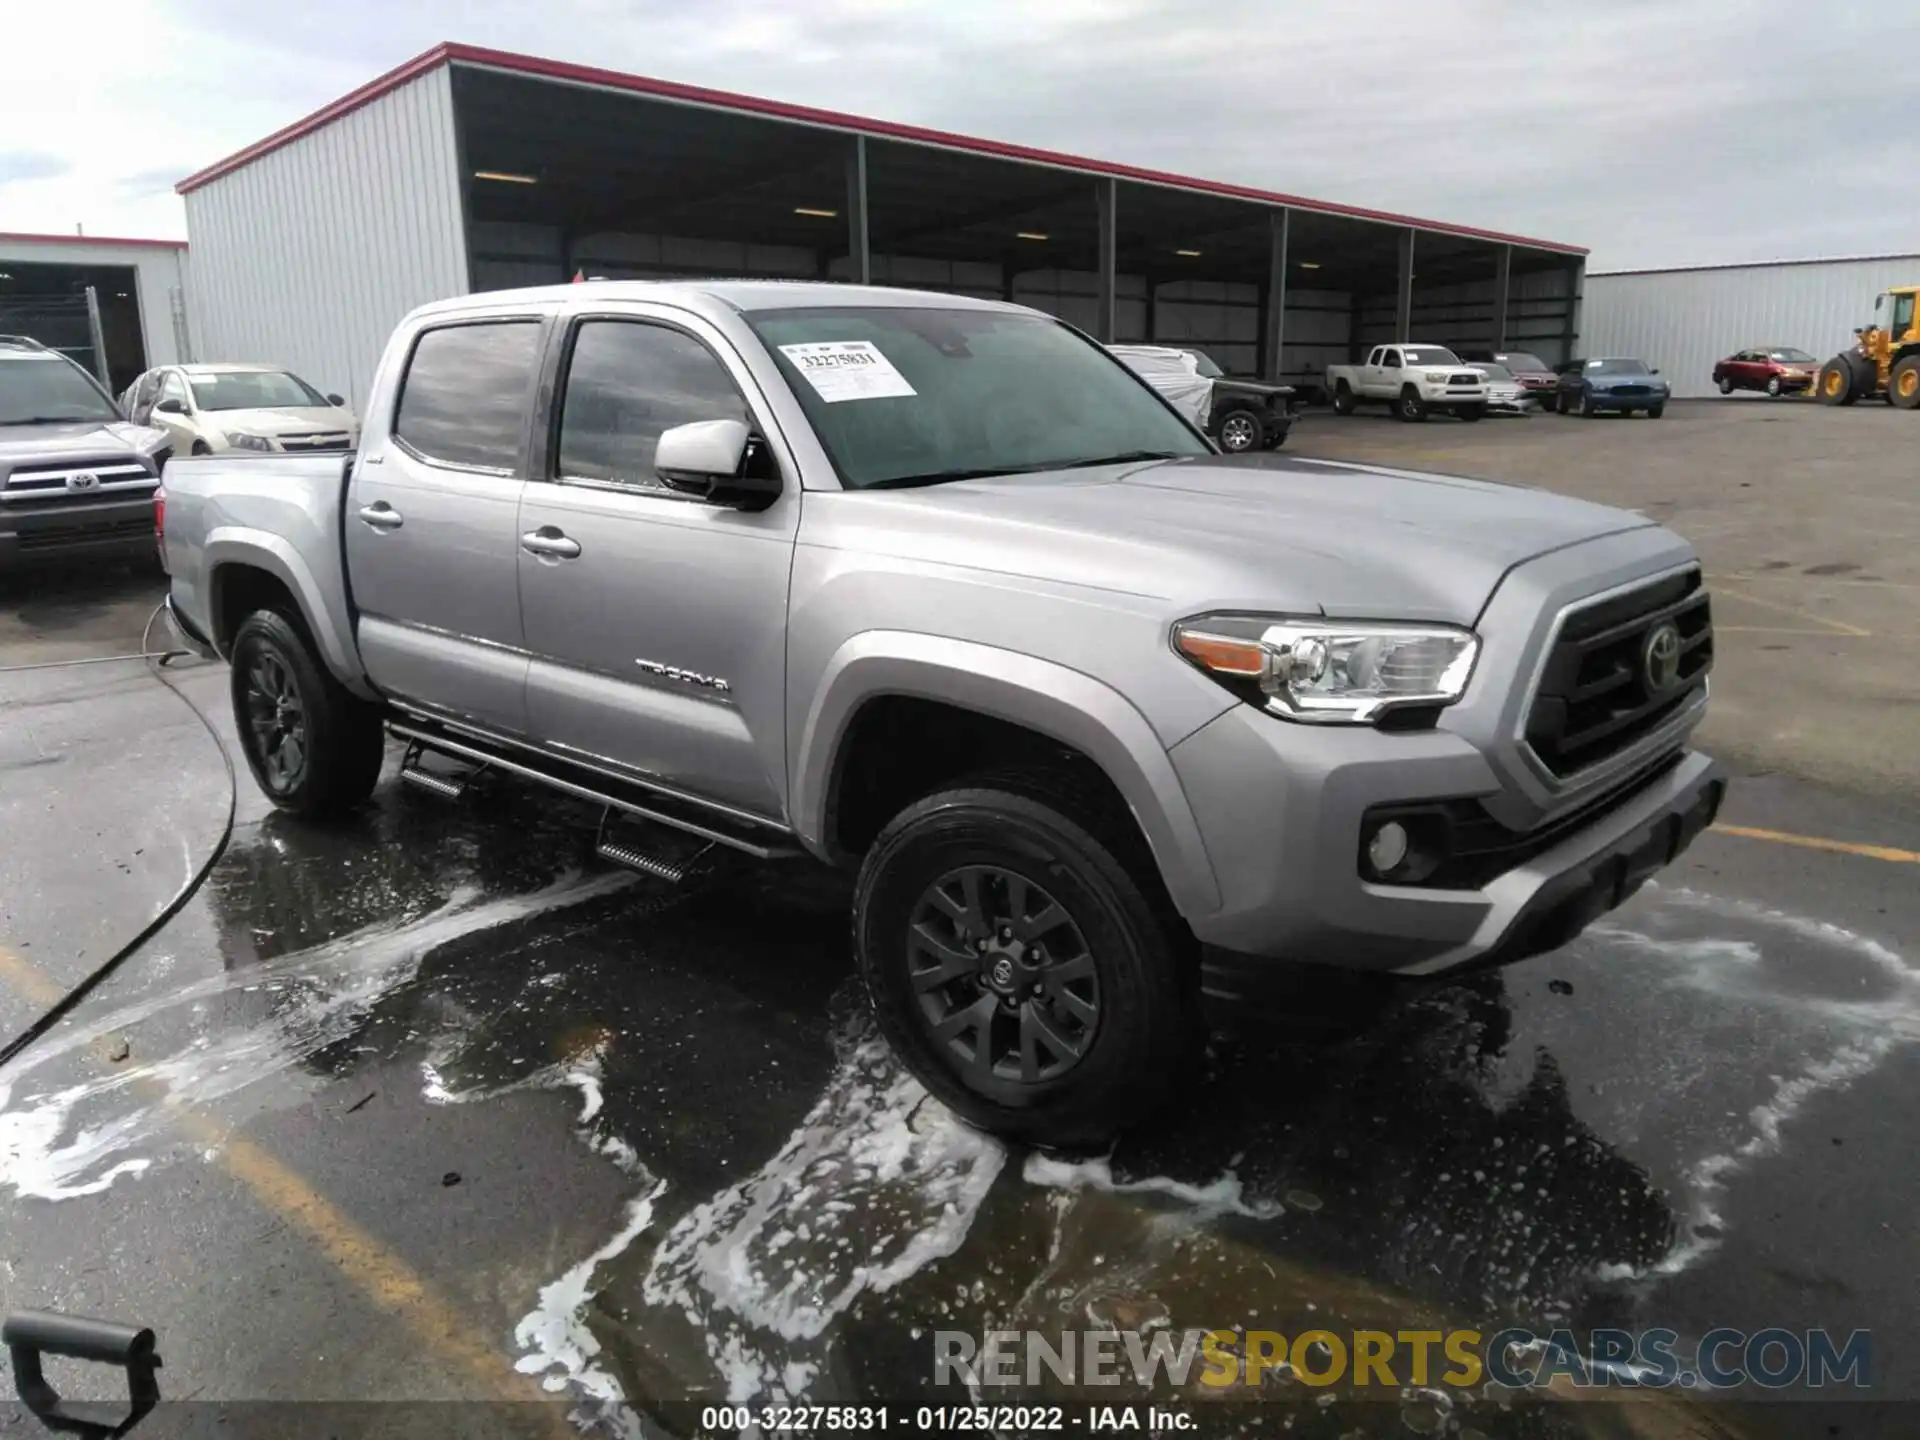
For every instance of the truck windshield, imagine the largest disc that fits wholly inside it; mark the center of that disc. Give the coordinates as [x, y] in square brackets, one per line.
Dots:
[44, 389]
[255, 390]
[1429, 355]
[914, 396]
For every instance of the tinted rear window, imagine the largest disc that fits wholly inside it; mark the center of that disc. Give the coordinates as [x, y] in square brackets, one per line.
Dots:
[467, 390]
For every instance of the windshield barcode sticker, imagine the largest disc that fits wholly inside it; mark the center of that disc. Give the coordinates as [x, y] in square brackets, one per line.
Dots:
[847, 370]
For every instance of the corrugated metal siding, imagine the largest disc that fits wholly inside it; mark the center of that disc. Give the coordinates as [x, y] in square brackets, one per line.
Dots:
[159, 272]
[1685, 320]
[310, 255]
[1462, 315]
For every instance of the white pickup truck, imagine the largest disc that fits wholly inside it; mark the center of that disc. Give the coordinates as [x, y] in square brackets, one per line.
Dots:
[1415, 380]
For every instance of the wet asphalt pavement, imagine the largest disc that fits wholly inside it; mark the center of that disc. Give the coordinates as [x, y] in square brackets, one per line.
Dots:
[433, 1107]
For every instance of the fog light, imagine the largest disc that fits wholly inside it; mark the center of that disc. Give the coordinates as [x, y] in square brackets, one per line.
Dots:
[1387, 848]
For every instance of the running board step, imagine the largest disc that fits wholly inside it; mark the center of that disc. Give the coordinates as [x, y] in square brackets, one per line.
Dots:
[652, 849]
[413, 771]
[763, 839]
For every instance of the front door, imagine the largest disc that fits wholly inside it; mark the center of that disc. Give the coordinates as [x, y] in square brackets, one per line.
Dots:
[431, 538]
[657, 623]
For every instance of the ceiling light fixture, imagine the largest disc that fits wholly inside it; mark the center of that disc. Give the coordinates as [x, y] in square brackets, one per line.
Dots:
[1190, 254]
[1309, 264]
[1030, 234]
[817, 214]
[506, 176]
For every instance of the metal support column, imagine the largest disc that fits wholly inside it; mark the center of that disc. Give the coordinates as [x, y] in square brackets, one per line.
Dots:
[1273, 329]
[1403, 310]
[1576, 277]
[1107, 194]
[1502, 285]
[98, 337]
[857, 250]
[1153, 305]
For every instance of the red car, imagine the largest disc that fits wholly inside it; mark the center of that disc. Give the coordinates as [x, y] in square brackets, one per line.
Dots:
[1776, 369]
[1536, 377]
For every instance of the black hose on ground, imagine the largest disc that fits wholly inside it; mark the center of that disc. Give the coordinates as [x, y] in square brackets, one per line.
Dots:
[156, 661]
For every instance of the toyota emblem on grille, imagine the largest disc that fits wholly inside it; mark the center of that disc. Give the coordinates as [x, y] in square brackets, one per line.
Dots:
[1660, 660]
[83, 480]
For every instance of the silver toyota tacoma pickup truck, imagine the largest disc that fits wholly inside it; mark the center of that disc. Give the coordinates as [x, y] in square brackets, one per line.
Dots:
[1115, 731]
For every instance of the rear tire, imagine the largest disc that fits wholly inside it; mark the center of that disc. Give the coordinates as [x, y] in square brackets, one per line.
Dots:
[314, 747]
[1409, 406]
[1114, 1014]
[1903, 385]
[1836, 382]
[1343, 401]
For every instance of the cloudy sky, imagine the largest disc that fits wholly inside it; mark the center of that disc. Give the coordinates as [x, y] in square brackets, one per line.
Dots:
[1653, 131]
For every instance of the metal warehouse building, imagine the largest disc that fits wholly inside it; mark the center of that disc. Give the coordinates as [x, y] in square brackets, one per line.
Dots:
[138, 315]
[1685, 320]
[468, 169]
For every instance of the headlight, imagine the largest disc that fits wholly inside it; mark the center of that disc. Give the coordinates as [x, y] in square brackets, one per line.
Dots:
[1325, 672]
[241, 440]
[1436, 377]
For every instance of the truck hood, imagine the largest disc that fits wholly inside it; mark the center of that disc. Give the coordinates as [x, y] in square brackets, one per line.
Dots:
[75, 440]
[1261, 532]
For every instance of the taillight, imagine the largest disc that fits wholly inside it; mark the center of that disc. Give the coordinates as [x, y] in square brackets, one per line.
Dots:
[160, 514]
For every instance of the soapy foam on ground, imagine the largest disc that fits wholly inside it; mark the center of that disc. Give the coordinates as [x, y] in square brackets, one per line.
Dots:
[1868, 1031]
[877, 1183]
[53, 1148]
[1223, 1196]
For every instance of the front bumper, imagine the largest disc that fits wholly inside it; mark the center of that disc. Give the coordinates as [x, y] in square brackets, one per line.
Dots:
[1280, 807]
[1608, 400]
[1440, 396]
[1521, 404]
[93, 530]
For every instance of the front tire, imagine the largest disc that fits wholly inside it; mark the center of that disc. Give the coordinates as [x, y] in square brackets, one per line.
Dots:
[1241, 431]
[1587, 412]
[1409, 406]
[314, 747]
[1726, 384]
[1836, 382]
[1471, 412]
[1654, 412]
[1903, 384]
[1773, 387]
[1021, 962]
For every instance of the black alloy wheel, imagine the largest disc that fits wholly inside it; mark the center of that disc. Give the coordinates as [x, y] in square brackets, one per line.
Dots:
[278, 720]
[1004, 979]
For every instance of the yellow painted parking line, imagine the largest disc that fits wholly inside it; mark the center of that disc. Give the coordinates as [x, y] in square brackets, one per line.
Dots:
[1820, 842]
[386, 1280]
[1837, 627]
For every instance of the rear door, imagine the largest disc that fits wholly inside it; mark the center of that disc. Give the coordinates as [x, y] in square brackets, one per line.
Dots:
[657, 622]
[431, 538]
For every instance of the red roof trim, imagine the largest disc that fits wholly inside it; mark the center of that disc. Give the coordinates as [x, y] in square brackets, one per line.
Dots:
[326, 115]
[831, 119]
[12, 238]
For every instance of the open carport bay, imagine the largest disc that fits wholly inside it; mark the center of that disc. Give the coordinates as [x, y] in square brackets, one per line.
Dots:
[428, 1107]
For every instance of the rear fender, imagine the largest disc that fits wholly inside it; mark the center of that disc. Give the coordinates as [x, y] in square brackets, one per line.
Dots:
[1051, 700]
[322, 600]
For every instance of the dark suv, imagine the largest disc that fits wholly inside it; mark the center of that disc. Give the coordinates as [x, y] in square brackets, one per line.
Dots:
[1247, 414]
[76, 480]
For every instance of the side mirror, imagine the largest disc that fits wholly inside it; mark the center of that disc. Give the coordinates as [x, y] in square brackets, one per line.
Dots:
[170, 407]
[1655, 370]
[339, 402]
[1878, 302]
[706, 459]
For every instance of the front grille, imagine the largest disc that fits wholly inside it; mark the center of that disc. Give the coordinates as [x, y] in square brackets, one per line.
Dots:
[52, 537]
[1598, 694]
[1630, 390]
[328, 440]
[1465, 379]
[68, 481]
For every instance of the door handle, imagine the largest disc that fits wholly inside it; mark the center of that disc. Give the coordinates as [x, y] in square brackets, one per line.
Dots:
[381, 516]
[549, 544]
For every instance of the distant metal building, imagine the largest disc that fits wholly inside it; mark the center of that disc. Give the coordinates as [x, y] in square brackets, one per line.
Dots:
[139, 288]
[1685, 320]
[468, 169]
